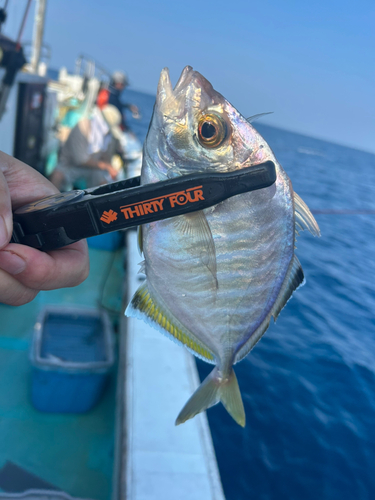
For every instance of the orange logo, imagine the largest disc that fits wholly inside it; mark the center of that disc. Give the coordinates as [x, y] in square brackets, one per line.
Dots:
[109, 216]
[153, 205]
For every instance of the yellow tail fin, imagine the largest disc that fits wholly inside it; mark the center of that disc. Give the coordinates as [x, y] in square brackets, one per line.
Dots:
[211, 391]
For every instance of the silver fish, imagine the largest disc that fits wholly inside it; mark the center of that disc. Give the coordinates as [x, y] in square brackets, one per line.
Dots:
[215, 277]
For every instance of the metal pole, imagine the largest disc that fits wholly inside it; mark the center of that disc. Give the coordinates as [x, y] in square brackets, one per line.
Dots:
[40, 13]
[18, 45]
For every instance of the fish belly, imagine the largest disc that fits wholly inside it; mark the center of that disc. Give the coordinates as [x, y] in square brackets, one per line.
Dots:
[253, 235]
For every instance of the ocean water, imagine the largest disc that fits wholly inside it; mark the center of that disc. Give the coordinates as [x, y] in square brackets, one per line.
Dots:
[309, 385]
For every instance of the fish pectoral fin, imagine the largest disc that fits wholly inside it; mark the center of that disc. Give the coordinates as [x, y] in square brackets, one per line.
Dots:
[304, 219]
[143, 306]
[195, 226]
[211, 391]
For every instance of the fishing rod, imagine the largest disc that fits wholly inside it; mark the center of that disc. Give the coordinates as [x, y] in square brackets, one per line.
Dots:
[65, 218]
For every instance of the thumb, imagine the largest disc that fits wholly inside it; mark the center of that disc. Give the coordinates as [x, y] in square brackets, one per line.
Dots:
[6, 219]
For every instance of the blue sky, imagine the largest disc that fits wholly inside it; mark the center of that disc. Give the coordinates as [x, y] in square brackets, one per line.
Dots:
[311, 63]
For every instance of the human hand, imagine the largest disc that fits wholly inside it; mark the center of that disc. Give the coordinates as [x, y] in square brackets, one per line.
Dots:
[110, 169]
[113, 173]
[24, 271]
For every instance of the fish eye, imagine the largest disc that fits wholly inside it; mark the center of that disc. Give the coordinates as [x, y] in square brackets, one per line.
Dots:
[212, 131]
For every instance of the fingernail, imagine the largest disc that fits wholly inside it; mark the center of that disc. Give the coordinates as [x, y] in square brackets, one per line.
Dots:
[11, 262]
[4, 235]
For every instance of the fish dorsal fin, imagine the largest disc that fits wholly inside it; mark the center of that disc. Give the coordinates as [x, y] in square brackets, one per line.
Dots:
[303, 217]
[197, 228]
[293, 279]
[259, 115]
[143, 306]
[246, 348]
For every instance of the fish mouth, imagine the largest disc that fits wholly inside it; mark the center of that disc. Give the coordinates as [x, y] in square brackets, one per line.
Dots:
[165, 89]
[188, 76]
[185, 78]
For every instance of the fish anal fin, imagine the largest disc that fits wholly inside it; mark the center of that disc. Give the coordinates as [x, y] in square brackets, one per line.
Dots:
[303, 217]
[143, 306]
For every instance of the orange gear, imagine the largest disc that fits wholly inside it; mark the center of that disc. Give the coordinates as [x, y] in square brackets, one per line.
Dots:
[103, 98]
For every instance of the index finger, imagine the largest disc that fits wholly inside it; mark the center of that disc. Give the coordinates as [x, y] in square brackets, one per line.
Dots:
[25, 184]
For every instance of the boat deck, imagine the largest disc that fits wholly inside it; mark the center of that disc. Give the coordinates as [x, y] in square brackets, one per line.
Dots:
[161, 461]
[73, 453]
[127, 447]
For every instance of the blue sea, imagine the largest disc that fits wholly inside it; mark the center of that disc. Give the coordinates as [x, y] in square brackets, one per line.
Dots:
[309, 384]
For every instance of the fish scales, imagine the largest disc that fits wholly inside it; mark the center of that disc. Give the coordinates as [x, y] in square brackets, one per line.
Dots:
[218, 275]
[243, 275]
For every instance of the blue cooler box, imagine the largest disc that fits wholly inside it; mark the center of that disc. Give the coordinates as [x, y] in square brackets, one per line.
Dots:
[107, 241]
[72, 354]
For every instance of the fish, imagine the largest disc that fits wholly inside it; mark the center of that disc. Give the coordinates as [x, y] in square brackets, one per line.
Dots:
[215, 277]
